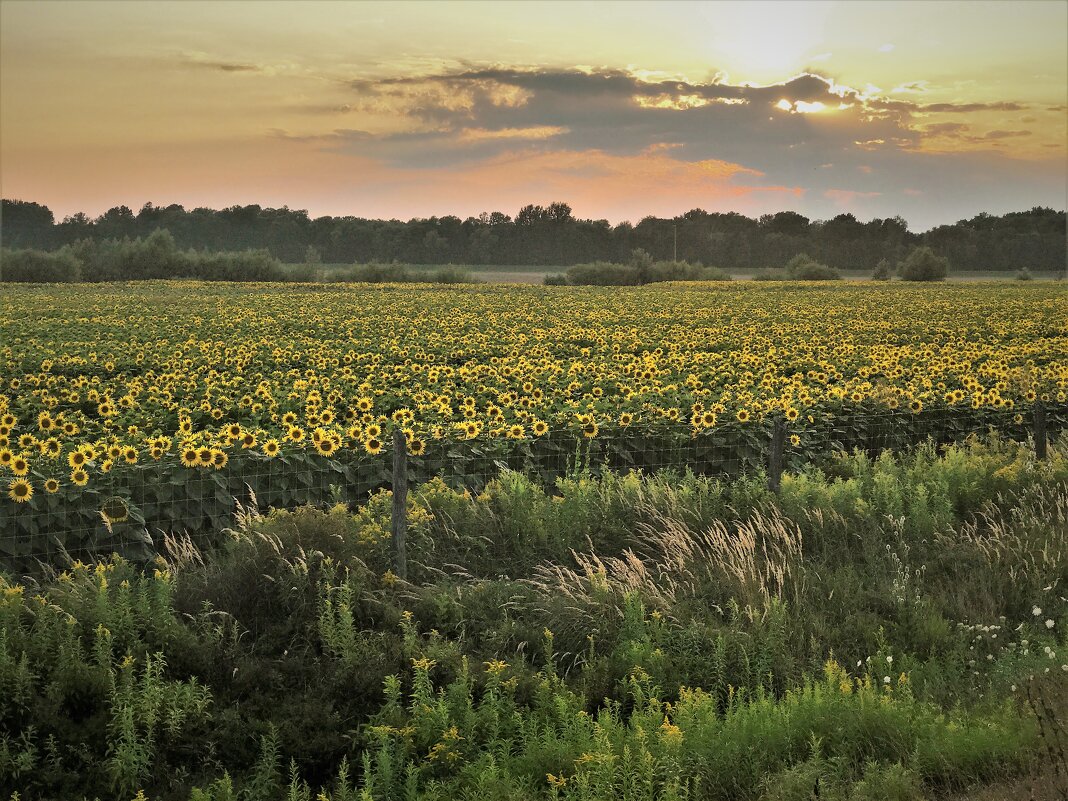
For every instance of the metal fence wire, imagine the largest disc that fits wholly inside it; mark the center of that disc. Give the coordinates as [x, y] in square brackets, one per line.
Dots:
[131, 507]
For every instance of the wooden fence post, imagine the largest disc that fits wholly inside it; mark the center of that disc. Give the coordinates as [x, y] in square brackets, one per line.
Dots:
[400, 504]
[775, 454]
[1040, 430]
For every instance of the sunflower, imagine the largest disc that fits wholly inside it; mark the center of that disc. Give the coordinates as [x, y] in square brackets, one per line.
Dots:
[373, 446]
[416, 447]
[129, 455]
[51, 486]
[916, 406]
[295, 434]
[516, 432]
[795, 440]
[20, 466]
[79, 477]
[590, 429]
[248, 440]
[539, 427]
[325, 446]
[271, 448]
[219, 458]
[742, 415]
[6, 457]
[20, 490]
[204, 456]
[626, 419]
[188, 457]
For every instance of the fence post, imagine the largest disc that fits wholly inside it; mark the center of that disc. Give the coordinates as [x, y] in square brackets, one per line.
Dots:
[400, 504]
[1040, 430]
[775, 454]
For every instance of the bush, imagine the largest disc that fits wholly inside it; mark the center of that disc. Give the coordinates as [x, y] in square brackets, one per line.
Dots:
[883, 271]
[923, 265]
[451, 274]
[394, 273]
[158, 257]
[684, 271]
[39, 266]
[1024, 275]
[602, 273]
[802, 267]
[556, 279]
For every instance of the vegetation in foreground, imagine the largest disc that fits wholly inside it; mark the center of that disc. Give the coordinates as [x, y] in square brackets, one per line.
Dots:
[886, 629]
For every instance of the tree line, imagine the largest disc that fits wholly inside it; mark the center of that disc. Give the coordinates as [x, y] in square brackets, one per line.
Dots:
[552, 236]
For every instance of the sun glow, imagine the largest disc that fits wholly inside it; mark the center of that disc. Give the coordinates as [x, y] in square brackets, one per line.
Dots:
[801, 106]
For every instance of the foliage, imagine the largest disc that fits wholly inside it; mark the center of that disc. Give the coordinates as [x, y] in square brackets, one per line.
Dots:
[923, 265]
[39, 267]
[402, 274]
[878, 631]
[156, 256]
[644, 271]
[804, 268]
[883, 271]
[551, 235]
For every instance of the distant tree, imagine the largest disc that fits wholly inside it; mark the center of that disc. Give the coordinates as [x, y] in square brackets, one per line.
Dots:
[882, 271]
[312, 255]
[26, 224]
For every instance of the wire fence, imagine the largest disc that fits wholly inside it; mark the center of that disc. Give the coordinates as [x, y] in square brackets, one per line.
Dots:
[136, 503]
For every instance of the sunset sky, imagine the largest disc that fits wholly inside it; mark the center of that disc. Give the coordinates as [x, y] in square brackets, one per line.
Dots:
[929, 110]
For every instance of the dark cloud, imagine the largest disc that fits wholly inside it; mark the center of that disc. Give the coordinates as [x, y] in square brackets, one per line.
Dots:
[225, 66]
[869, 147]
[1005, 134]
[946, 128]
[970, 107]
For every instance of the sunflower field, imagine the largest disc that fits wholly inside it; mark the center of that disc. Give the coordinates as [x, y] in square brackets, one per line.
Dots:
[131, 407]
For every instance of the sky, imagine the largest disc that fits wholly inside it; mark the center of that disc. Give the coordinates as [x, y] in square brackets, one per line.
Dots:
[933, 111]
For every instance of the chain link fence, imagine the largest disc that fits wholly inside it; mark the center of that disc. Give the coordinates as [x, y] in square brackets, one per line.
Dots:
[130, 508]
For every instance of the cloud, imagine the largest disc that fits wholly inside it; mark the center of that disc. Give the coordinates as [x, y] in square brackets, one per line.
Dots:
[1005, 134]
[848, 197]
[200, 60]
[590, 131]
[963, 108]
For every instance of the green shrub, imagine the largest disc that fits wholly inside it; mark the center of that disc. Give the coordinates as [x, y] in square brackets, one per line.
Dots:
[1024, 275]
[39, 266]
[922, 264]
[684, 271]
[555, 279]
[602, 273]
[804, 268]
[883, 271]
[158, 257]
[393, 273]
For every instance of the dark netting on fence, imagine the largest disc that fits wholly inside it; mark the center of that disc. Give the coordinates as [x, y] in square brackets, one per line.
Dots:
[132, 507]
